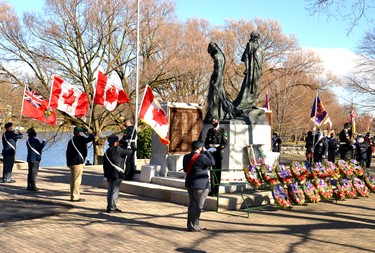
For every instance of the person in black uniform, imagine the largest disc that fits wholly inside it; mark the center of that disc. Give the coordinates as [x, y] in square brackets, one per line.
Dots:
[346, 147]
[309, 140]
[216, 138]
[113, 166]
[370, 150]
[34, 156]
[195, 166]
[320, 149]
[332, 147]
[9, 151]
[361, 147]
[128, 142]
[276, 143]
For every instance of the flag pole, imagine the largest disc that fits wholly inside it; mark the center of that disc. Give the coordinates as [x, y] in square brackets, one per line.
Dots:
[92, 99]
[23, 100]
[316, 108]
[137, 81]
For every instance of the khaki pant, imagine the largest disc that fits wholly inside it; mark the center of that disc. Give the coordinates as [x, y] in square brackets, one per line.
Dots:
[75, 180]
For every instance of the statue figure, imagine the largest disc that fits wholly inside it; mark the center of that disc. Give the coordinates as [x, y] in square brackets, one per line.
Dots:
[219, 106]
[253, 61]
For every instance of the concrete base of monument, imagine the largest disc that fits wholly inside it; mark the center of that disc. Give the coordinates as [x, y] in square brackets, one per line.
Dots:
[234, 194]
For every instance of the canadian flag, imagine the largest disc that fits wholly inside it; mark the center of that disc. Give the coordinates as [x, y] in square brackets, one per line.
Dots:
[109, 92]
[68, 98]
[152, 114]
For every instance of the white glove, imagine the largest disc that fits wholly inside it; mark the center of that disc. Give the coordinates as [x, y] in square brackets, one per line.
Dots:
[44, 139]
[211, 150]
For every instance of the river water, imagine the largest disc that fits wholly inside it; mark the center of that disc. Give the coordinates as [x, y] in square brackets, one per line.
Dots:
[53, 153]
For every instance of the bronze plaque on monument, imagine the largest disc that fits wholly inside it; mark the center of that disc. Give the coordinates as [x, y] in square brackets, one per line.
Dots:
[185, 126]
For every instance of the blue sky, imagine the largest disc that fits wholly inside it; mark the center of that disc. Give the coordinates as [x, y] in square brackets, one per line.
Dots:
[311, 31]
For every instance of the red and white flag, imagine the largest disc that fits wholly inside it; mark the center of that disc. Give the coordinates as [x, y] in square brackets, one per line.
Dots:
[68, 98]
[109, 92]
[36, 107]
[153, 115]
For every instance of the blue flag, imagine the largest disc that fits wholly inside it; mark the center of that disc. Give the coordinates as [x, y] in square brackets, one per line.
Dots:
[318, 113]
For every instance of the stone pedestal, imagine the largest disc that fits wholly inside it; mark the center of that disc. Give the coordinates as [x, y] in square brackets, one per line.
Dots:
[255, 129]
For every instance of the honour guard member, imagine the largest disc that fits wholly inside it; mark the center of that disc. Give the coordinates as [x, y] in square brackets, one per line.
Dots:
[346, 146]
[216, 138]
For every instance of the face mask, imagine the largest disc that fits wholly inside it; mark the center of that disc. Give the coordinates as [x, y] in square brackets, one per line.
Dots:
[215, 124]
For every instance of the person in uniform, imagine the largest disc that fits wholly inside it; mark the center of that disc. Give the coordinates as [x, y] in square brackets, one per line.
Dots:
[9, 139]
[309, 140]
[370, 150]
[346, 147]
[34, 156]
[216, 138]
[276, 143]
[361, 147]
[332, 147]
[320, 149]
[128, 142]
[195, 166]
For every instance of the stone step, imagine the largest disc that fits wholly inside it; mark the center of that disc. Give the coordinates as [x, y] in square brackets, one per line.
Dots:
[225, 201]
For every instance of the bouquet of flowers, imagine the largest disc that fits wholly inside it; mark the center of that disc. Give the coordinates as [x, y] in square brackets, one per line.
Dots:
[269, 174]
[361, 187]
[350, 191]
[345, 168]
[370, 182]
[332, 170]
[357, 169]
[311, 193]
[319, 170]
[284, 174]
[296, 194]
[252, 176]
[339, 191]
[299, 171]
[281, 197]
[325, 190]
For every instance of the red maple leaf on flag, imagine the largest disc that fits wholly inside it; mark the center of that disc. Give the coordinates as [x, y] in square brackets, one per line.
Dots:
[111, 94]
[69, 97]
[159, 116]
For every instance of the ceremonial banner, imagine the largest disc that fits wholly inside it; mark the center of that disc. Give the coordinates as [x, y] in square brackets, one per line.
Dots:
[36, 107]
[352, 119]
[318, 113]
[152, 114]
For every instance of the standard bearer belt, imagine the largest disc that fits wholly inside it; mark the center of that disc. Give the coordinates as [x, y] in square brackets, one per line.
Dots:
[214, 145]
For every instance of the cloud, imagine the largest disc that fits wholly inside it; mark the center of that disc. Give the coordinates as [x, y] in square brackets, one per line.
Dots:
[339, 61]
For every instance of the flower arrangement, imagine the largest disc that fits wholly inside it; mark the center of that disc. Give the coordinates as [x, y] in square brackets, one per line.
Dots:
[350, 191]
[280, 196]
[299, 171]
[269, 174]
[319, 170]
[332, 170]
[345, 168]
[284, 174]
[252, 176]
[339, 191]
[296, 194]
[357, 169]
[311, 193]
[361, 187]
[370, 182]
[325, 190]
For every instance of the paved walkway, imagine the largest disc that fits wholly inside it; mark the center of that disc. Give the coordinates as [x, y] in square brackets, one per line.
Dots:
[149, 225]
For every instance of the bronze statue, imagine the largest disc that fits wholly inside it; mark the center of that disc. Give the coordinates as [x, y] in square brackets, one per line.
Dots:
[253, 61]
[219, 106]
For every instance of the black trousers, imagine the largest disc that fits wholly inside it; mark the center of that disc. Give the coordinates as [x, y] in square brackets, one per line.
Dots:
[31, 177]
[129, 166]
[215, 174]
[8, 162]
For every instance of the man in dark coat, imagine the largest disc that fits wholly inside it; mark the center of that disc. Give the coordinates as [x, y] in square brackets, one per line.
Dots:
[309, 146]
[276, 143]
[332, 147]
[196, 165]
[9, 151]
[320, 149]
[113, 166]
[370, 150]
[346, 146]
[216, 138]
[76, 153]
[361, 147]
[128, 142]
[34, 156]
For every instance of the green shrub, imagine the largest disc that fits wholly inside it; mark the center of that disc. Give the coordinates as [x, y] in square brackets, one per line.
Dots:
[144, 143]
